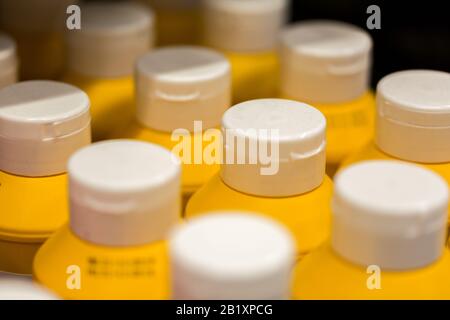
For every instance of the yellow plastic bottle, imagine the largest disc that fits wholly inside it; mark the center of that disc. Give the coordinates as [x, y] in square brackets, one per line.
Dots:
[327, 64]
[177, 21]
[246, 31]
[259, 266]
[14, 287]
[284, 180]
[101, 58]
[41, 124]
[181, 93]
[388, 237]
[38, 27]
[124, 197]
[8, 61]
[412, 121]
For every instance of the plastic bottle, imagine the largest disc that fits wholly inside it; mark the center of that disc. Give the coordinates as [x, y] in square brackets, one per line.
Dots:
[388, 237]
[231, 255]
[327, 64]
[290, 186]
[8, 61]
[177, 21]
[412, 121]
[177, 86]
[101, 58]
[124, 197]
[41, 124]
[246, 31]
[38, 27]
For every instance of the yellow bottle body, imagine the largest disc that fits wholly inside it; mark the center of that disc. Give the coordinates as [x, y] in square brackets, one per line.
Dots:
[112, 102]
[194, 173]
[372, 152]
[324, 275]
[350, 126]
[307, 216]
[76, 269]
[254, 75]
[31, 209]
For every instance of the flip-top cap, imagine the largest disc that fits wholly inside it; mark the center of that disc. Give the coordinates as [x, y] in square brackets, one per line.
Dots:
[413, 115]
[325, 61]
[111, 38]
[231, 255]
[389, 213]
[244, 26]
[123, 192]
[8, 61]
[41, 124]
[179, 85]
[273, 147]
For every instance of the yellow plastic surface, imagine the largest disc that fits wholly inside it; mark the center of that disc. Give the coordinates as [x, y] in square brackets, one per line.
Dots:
[307, 216]
[112, 102]
[324, 275]
[254, 75]
[75, 269]
[31, 209]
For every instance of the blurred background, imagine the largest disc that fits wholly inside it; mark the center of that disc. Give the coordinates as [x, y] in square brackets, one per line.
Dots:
[411, 36]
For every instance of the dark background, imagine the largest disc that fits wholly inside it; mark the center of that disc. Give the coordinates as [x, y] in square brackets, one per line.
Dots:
[413, 35]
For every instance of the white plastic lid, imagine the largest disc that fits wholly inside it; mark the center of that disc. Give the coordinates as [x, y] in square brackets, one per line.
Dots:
[22, 288]
[231, 255]
[292, 137]
[325, 61]
[8, 61]
[413, 118]
[112, 37]
[389, 213]
[244, 25]
[41, 124]
[123, 192]
[179, 85]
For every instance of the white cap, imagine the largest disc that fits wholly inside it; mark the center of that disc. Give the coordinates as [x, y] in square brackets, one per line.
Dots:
[413, 115]
[123, 192]
[244, 25]
[112, 37]
[292, 133]
[231, 255]
[41, 124]
[325, 61]
[389, 213]
[8, 61]
[178, 85]
[22, 288]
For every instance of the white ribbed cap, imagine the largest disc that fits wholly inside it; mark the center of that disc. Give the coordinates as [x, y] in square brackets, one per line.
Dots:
[231, 255]
[325, 61]
[179, 85]
[8, 61]
[123, 192]
[112, 37]
[413, 117]
[389, 213]
[22, 288]
[244, 25]
[41, 124]
[290, 132]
